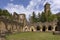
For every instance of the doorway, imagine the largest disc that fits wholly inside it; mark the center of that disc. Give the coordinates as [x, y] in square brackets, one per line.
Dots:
[49, 28]
[38, 28]
[44, 28]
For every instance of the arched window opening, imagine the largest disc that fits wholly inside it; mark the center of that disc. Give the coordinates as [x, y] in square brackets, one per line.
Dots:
[49, 28]
[32, 30]
[44, 28]
[56, 28]
[38, 28]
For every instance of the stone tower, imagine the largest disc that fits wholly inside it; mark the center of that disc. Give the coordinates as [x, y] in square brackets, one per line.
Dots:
[47, 8]
[22, 19]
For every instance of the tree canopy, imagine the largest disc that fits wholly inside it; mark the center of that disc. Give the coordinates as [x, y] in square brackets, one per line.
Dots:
[5, 13]
[43, 17]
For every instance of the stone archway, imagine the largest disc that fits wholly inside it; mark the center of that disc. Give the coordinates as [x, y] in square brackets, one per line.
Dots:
[44, 28]
[38, 28]
[32, 28]
[2, 27]
[56, 28]
[25, 29]
[50, 28]
[9, 28]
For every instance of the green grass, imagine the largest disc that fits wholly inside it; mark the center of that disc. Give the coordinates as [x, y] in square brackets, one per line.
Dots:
[33, 36]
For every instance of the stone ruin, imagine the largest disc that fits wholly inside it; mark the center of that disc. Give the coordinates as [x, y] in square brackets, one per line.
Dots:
[20, 24]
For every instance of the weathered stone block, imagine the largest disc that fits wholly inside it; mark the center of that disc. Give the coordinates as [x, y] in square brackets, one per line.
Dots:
[56, 33]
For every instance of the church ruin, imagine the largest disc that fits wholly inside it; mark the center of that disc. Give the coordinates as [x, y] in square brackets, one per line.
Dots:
[20, 24]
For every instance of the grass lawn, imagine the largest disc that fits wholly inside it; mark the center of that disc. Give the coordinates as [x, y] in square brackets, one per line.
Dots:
[33, 36]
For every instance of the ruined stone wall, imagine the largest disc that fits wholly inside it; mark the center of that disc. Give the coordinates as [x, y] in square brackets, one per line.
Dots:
[8, 26]
[47, 26]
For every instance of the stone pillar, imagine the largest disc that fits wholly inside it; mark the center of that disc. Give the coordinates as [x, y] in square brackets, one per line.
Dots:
[41, 28]
[53, 28]
[46, 28]
[11, 28]
[21, 29]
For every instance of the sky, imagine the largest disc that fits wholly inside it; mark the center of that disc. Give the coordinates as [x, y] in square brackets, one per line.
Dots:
[28, 6]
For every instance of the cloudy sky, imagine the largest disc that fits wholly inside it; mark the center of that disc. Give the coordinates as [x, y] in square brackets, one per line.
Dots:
[28, 6]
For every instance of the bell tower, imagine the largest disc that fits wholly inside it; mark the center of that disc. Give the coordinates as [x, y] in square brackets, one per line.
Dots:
[47, 8]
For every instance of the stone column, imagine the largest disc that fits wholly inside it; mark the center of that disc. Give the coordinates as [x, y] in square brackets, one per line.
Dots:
[21, 29]
[53, 28]
[11, 29]
[41, 28]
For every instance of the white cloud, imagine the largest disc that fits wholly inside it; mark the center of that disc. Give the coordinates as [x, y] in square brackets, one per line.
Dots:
[21, 9]
[55, 6]
[33, 6]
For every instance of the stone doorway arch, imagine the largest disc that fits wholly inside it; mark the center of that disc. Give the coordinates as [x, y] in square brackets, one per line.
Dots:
[25, 29]
[2, 27]
[56, 28]
[32, 28]
[38, 28]
[50, 27]
[44, 28]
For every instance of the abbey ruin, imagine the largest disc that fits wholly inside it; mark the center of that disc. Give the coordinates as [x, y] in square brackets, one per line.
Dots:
[20, 23]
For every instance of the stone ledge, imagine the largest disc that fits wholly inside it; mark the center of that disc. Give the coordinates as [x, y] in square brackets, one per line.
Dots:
[56, 33]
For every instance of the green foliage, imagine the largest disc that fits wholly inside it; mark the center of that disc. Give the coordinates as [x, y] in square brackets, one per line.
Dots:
[38, 18]
[49, 13]
[58, 17]
[5, 13]
[34, 19]
[1, 12]
[50, 17]
[43, 18]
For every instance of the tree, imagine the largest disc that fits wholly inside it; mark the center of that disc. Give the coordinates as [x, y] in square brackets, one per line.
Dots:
[49, 13]
[39, 17]
[5, 13]
[34, 19]
[0, 12]
[43, 18]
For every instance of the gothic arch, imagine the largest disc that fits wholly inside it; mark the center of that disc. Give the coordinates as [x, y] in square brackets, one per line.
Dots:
[2, 27]
[32, 28]
[38, 28]
[50, 28]
[25, 29]
[56, 28]
[44, 28]
[9, 28]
